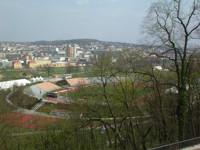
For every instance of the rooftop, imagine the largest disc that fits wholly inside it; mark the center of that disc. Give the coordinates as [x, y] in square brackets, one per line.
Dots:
[77, 81]
[47, 86]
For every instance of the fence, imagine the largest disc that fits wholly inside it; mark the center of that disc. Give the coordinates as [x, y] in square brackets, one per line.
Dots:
[179, 145]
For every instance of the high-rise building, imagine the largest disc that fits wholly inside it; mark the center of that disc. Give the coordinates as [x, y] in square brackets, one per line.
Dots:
[74, 55]
[71, 51]
[68, 52]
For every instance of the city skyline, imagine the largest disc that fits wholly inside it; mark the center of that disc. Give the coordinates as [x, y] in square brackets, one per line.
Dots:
[108, 20]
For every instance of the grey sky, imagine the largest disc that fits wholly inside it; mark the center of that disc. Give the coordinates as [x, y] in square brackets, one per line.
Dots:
[112, 20]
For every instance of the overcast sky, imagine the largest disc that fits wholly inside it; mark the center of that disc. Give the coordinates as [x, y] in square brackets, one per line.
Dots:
[108, 20]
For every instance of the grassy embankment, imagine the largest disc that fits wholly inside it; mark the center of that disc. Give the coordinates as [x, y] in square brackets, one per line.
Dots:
[94, 96]
[20, 99]
[6, 108]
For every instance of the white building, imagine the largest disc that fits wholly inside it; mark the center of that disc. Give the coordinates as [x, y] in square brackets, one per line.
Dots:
[10, 84]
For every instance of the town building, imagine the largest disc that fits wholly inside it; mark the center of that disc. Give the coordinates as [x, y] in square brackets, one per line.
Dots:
[17, 64]
[69, 51]
[32, 64]
[42, 63]
[6, 64]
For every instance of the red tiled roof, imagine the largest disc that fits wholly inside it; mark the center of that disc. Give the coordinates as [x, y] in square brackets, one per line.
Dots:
[48, 86]
[77, 81]
[16, 62]
[31, 61]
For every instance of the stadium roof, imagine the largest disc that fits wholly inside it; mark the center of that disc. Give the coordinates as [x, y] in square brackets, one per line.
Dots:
[48, 86]
[77, 81]
[10, 84]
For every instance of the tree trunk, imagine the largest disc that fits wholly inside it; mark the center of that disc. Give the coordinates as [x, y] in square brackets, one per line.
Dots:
[182, 111]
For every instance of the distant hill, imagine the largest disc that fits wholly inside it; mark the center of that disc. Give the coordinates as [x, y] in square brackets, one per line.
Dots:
[81, 42]
[60, 42]
[85, 42]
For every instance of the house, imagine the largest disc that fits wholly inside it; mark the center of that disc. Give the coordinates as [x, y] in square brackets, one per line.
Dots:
[6, 64]
[42, 63]
[32, 64]
[17, 64]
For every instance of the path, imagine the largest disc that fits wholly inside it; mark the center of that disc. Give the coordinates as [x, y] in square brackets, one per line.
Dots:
[33, 133]
[32, 112]
[8, 98]
[38, 105]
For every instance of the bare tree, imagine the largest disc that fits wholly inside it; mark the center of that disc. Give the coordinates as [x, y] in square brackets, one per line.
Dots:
[113, 100]
[70, 69]
[172, 25]
[48, 69]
